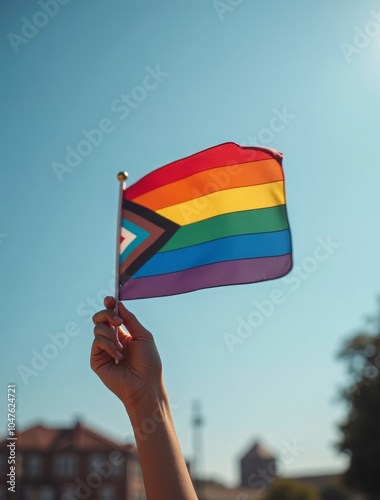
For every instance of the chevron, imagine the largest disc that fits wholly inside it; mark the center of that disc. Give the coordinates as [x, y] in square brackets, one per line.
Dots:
[143, 234]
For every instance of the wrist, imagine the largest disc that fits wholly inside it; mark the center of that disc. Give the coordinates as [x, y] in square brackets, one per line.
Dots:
[149, 407]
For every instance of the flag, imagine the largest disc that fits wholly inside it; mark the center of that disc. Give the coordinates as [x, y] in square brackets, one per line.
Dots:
[215, 218]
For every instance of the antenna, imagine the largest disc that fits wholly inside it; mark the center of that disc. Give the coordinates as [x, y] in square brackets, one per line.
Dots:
[197, 465]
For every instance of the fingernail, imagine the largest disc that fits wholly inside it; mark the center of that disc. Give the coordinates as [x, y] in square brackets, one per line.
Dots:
[118, 354]
[119, 345]
[118, 319]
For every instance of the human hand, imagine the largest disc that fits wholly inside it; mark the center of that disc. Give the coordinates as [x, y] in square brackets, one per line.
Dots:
[140, 369]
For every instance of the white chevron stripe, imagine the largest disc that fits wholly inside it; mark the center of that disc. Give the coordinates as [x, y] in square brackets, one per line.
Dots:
[128, 238]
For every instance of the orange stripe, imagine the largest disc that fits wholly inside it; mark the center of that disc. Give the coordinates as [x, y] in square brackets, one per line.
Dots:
[211, 181]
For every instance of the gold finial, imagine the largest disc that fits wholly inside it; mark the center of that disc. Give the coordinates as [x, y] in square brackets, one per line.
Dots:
[122, 176]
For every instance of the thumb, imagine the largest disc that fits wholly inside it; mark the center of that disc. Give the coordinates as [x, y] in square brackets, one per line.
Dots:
[134, 327]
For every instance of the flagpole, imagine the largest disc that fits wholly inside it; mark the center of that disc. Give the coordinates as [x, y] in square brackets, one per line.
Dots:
[121, 177]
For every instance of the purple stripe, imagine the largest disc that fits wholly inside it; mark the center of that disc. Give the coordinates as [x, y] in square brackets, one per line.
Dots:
[235, 272]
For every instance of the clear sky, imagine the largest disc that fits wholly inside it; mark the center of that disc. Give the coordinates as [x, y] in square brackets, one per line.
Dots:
[217, 73]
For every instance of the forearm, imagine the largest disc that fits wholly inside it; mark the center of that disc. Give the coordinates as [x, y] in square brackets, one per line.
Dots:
[163, 466]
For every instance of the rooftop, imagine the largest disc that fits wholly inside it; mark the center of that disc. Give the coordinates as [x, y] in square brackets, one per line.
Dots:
[258, 451]
[78, 438]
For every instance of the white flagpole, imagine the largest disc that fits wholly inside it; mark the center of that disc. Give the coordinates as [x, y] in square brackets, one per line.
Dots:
[122, 177]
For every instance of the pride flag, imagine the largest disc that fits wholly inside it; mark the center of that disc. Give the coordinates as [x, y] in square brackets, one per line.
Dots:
[215, 218]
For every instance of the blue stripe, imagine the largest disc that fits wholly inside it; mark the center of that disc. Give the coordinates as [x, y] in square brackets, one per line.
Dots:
[141, 235]
[246, 246]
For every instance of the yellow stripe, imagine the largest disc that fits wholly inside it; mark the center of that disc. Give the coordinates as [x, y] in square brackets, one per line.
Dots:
[224, 202]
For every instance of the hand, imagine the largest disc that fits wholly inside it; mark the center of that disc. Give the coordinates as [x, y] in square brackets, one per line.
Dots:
[140, 369]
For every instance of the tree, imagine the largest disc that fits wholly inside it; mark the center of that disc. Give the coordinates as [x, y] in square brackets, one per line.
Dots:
[289, 489]
[361, 430]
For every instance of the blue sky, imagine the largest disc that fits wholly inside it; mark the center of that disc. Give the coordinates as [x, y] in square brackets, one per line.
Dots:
[220, 73]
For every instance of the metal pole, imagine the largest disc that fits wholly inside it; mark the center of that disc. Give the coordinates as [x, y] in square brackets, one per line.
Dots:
[121, 177]
[197, 472]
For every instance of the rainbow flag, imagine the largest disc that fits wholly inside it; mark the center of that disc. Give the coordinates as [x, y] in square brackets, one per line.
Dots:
[215, 218]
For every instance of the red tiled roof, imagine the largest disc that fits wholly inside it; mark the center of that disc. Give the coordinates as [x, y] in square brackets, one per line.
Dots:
[79, 438]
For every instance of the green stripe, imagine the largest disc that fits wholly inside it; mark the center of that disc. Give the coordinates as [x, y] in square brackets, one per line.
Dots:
[264, 220]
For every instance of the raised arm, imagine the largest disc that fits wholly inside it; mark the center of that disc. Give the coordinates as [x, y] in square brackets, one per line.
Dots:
[137, 381]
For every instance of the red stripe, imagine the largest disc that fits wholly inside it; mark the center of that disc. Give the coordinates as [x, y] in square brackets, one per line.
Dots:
[217, 156]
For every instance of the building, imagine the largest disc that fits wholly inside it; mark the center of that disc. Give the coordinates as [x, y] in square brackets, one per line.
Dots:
[71, 464]
[256, 466]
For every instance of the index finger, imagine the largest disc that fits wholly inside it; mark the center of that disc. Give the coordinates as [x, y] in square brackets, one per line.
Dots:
[107, 316]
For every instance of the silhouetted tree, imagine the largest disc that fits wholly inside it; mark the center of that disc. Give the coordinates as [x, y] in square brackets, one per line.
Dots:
[361, 430]
[289, 489]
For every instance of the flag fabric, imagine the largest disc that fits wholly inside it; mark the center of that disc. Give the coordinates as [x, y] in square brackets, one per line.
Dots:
[215, 218]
